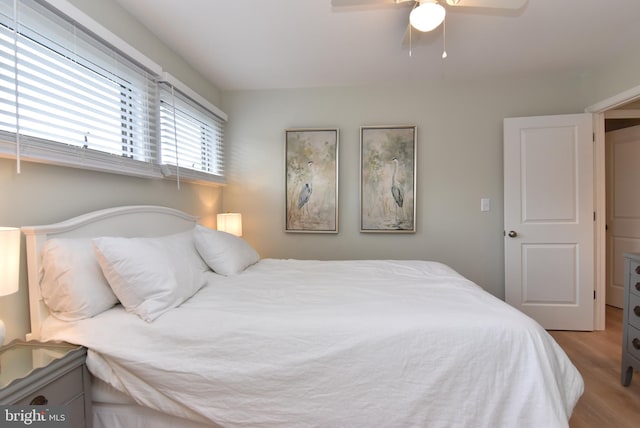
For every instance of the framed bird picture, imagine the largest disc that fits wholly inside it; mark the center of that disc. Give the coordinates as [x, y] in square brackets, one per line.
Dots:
[388, 179]
[311, 177]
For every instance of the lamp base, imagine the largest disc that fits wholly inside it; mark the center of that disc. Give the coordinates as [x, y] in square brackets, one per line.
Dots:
[3, 330]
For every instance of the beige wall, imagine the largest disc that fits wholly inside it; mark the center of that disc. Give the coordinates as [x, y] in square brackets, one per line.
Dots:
[459, 162]
[44, 194]
[614, 78]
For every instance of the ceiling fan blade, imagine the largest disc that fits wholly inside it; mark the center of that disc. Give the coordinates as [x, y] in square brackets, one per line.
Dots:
[360, 3]
[496, 4]
[355, 3]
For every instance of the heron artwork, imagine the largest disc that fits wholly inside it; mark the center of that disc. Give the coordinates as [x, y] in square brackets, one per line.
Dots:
[396, 190]
[307, 188]
[387, 179]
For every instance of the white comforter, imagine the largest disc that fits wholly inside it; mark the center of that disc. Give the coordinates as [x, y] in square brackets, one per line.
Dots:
[292, 343]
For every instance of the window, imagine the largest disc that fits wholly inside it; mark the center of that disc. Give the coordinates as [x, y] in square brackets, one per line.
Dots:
[191, 135]
[79, 102]
[68, 97]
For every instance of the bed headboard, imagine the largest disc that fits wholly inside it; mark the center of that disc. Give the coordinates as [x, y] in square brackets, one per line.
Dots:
[126, 221]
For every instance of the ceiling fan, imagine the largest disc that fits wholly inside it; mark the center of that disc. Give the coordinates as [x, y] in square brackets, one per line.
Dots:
[427, 15]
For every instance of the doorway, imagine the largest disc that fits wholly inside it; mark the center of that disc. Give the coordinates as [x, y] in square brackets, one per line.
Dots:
[622, 155]
[625, 105]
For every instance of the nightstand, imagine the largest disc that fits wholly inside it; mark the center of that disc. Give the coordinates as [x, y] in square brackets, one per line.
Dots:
[47, 373]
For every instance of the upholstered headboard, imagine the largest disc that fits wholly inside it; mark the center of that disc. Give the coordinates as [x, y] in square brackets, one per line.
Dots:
[126, 221]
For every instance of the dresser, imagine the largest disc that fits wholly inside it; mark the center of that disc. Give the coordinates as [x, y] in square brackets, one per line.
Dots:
[631, 318]
[52, 376]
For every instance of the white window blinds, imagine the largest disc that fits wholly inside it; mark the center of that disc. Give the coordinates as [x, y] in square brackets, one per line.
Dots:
[191, 136]
[70, 98]
[79, 102]
[73, 100]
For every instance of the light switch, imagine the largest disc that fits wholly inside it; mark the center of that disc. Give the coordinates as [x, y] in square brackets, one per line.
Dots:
[485, 204]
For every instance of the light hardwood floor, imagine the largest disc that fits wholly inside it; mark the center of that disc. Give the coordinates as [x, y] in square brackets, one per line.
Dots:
[605, 402]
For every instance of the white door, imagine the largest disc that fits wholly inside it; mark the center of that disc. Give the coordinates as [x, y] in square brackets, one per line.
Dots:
[623, 206]
[549, 219]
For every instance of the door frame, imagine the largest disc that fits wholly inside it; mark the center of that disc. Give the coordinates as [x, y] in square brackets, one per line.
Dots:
[615, 297]
[600, 110]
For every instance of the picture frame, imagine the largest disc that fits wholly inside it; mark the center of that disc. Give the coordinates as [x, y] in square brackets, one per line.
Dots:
[311, 180]
[388, 179]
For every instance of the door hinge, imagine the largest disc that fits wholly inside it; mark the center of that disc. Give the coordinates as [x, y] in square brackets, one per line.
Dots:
[594, 294]
[593, 137]
[594, 216]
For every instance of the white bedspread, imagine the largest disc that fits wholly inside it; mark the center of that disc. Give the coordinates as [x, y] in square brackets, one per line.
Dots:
[292, 343]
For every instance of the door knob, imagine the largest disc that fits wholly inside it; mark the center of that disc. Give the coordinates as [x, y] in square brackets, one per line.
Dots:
[512, 234]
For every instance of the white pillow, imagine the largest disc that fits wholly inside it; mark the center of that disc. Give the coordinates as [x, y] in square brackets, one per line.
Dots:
[151, 275]
[225, 253]
[71, 282]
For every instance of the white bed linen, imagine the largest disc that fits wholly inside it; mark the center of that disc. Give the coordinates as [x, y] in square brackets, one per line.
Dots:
[102, 392]
[335, 344]
[134, 416]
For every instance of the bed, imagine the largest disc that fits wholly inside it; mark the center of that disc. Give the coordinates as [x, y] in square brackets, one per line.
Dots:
[188, 327]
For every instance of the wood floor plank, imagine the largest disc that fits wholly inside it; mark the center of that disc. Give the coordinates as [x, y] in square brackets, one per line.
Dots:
[597, 355]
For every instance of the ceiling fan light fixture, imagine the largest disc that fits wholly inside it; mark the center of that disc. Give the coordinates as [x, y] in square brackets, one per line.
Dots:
[427, 16]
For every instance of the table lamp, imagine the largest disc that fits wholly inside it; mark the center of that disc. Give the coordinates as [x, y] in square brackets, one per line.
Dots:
[9, 265]
[230, 223]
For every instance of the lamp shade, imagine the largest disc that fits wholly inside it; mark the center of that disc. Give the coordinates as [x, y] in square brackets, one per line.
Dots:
[9, 260]
[230, 223]
[427, 16]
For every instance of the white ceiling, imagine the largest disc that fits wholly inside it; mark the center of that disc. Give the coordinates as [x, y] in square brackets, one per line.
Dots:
[265, 44]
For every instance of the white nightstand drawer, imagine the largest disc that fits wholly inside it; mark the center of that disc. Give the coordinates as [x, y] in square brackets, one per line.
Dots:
[60, 391]
[49, 373]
